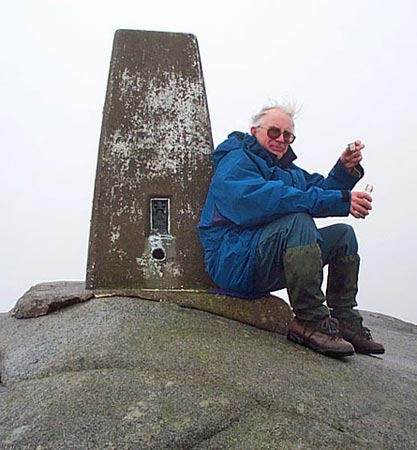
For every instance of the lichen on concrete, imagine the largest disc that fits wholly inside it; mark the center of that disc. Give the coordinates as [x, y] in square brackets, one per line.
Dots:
[155, 142]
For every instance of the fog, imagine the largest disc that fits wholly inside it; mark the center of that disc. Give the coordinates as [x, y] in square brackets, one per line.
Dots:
[350, 66]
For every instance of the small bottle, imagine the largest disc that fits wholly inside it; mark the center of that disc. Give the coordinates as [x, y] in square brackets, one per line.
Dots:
[369, 188]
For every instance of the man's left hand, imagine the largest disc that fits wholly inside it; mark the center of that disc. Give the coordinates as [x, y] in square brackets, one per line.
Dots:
[351, 159]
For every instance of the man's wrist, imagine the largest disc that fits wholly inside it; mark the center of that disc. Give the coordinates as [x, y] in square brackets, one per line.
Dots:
[345, 195]
[355, 172]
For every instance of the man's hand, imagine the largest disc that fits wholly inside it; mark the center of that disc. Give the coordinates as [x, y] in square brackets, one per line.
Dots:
[351, 159]
[360, 204]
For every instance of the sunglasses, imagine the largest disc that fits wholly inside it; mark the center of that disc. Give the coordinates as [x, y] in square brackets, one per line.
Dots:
[275, 133]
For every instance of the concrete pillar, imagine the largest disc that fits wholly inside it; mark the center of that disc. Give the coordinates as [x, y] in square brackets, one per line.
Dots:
[153, 166]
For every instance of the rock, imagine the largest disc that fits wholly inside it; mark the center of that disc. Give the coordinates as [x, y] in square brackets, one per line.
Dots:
[269, 312]
[128, 374]
[44, 298]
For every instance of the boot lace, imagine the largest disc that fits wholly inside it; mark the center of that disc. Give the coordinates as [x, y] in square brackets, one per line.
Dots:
[329, 326]
[365, 333]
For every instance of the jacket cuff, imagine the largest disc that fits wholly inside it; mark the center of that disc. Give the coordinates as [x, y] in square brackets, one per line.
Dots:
[345, 195]
[348, 178]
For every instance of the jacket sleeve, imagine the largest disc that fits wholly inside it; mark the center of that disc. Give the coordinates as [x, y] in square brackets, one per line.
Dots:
[339, 177]
[246, 198]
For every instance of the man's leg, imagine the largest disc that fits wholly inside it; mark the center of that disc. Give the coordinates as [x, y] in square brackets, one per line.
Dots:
[288, 255]
[340, 251]
[288, 241]
[339, 248]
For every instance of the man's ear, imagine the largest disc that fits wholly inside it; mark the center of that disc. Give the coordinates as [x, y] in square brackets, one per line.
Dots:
[253, 131]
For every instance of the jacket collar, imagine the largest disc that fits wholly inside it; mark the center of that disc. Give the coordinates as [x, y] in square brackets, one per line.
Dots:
[287, 159]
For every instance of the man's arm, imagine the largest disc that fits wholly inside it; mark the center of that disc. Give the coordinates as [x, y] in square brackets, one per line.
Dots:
[246, 198]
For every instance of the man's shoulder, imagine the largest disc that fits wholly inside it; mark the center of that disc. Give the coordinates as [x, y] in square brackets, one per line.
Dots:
[235, 156]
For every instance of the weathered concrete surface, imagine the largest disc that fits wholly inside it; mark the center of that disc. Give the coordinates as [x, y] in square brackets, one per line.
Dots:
[155, 143]
[128, 374]
[269, 313]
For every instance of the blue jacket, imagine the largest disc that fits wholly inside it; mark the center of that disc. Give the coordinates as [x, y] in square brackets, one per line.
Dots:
[252, 187]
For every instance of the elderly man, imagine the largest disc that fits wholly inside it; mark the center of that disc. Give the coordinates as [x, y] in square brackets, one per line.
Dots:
[258, 232]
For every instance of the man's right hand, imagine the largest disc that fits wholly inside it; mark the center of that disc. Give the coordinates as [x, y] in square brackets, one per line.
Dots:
[360, 204]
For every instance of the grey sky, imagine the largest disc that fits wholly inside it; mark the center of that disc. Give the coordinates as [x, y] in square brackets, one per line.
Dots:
[351, 66]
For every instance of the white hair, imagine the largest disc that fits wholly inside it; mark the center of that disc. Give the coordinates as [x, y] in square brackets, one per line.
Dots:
[287, 107]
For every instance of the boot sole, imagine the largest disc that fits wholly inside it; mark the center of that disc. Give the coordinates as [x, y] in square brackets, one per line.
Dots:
[376, 352]
[327, 352]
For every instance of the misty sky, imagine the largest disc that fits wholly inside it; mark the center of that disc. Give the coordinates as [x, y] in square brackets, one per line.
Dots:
[352, 66]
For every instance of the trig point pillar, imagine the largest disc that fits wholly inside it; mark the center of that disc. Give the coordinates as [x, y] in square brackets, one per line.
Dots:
[153, 167]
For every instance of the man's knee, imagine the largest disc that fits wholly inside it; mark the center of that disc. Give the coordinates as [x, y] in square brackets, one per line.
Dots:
[338, 240]
[302, 220]
[347, 238]
[291, 230]
[302, 230]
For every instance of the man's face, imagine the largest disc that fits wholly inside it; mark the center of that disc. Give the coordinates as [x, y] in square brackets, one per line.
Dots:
[277, 119]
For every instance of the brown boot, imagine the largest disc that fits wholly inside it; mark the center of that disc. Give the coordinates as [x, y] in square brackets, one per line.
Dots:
[360, 337]
[322, 336]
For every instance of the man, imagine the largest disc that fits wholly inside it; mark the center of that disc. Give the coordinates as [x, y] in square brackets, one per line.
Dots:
[258, 233]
